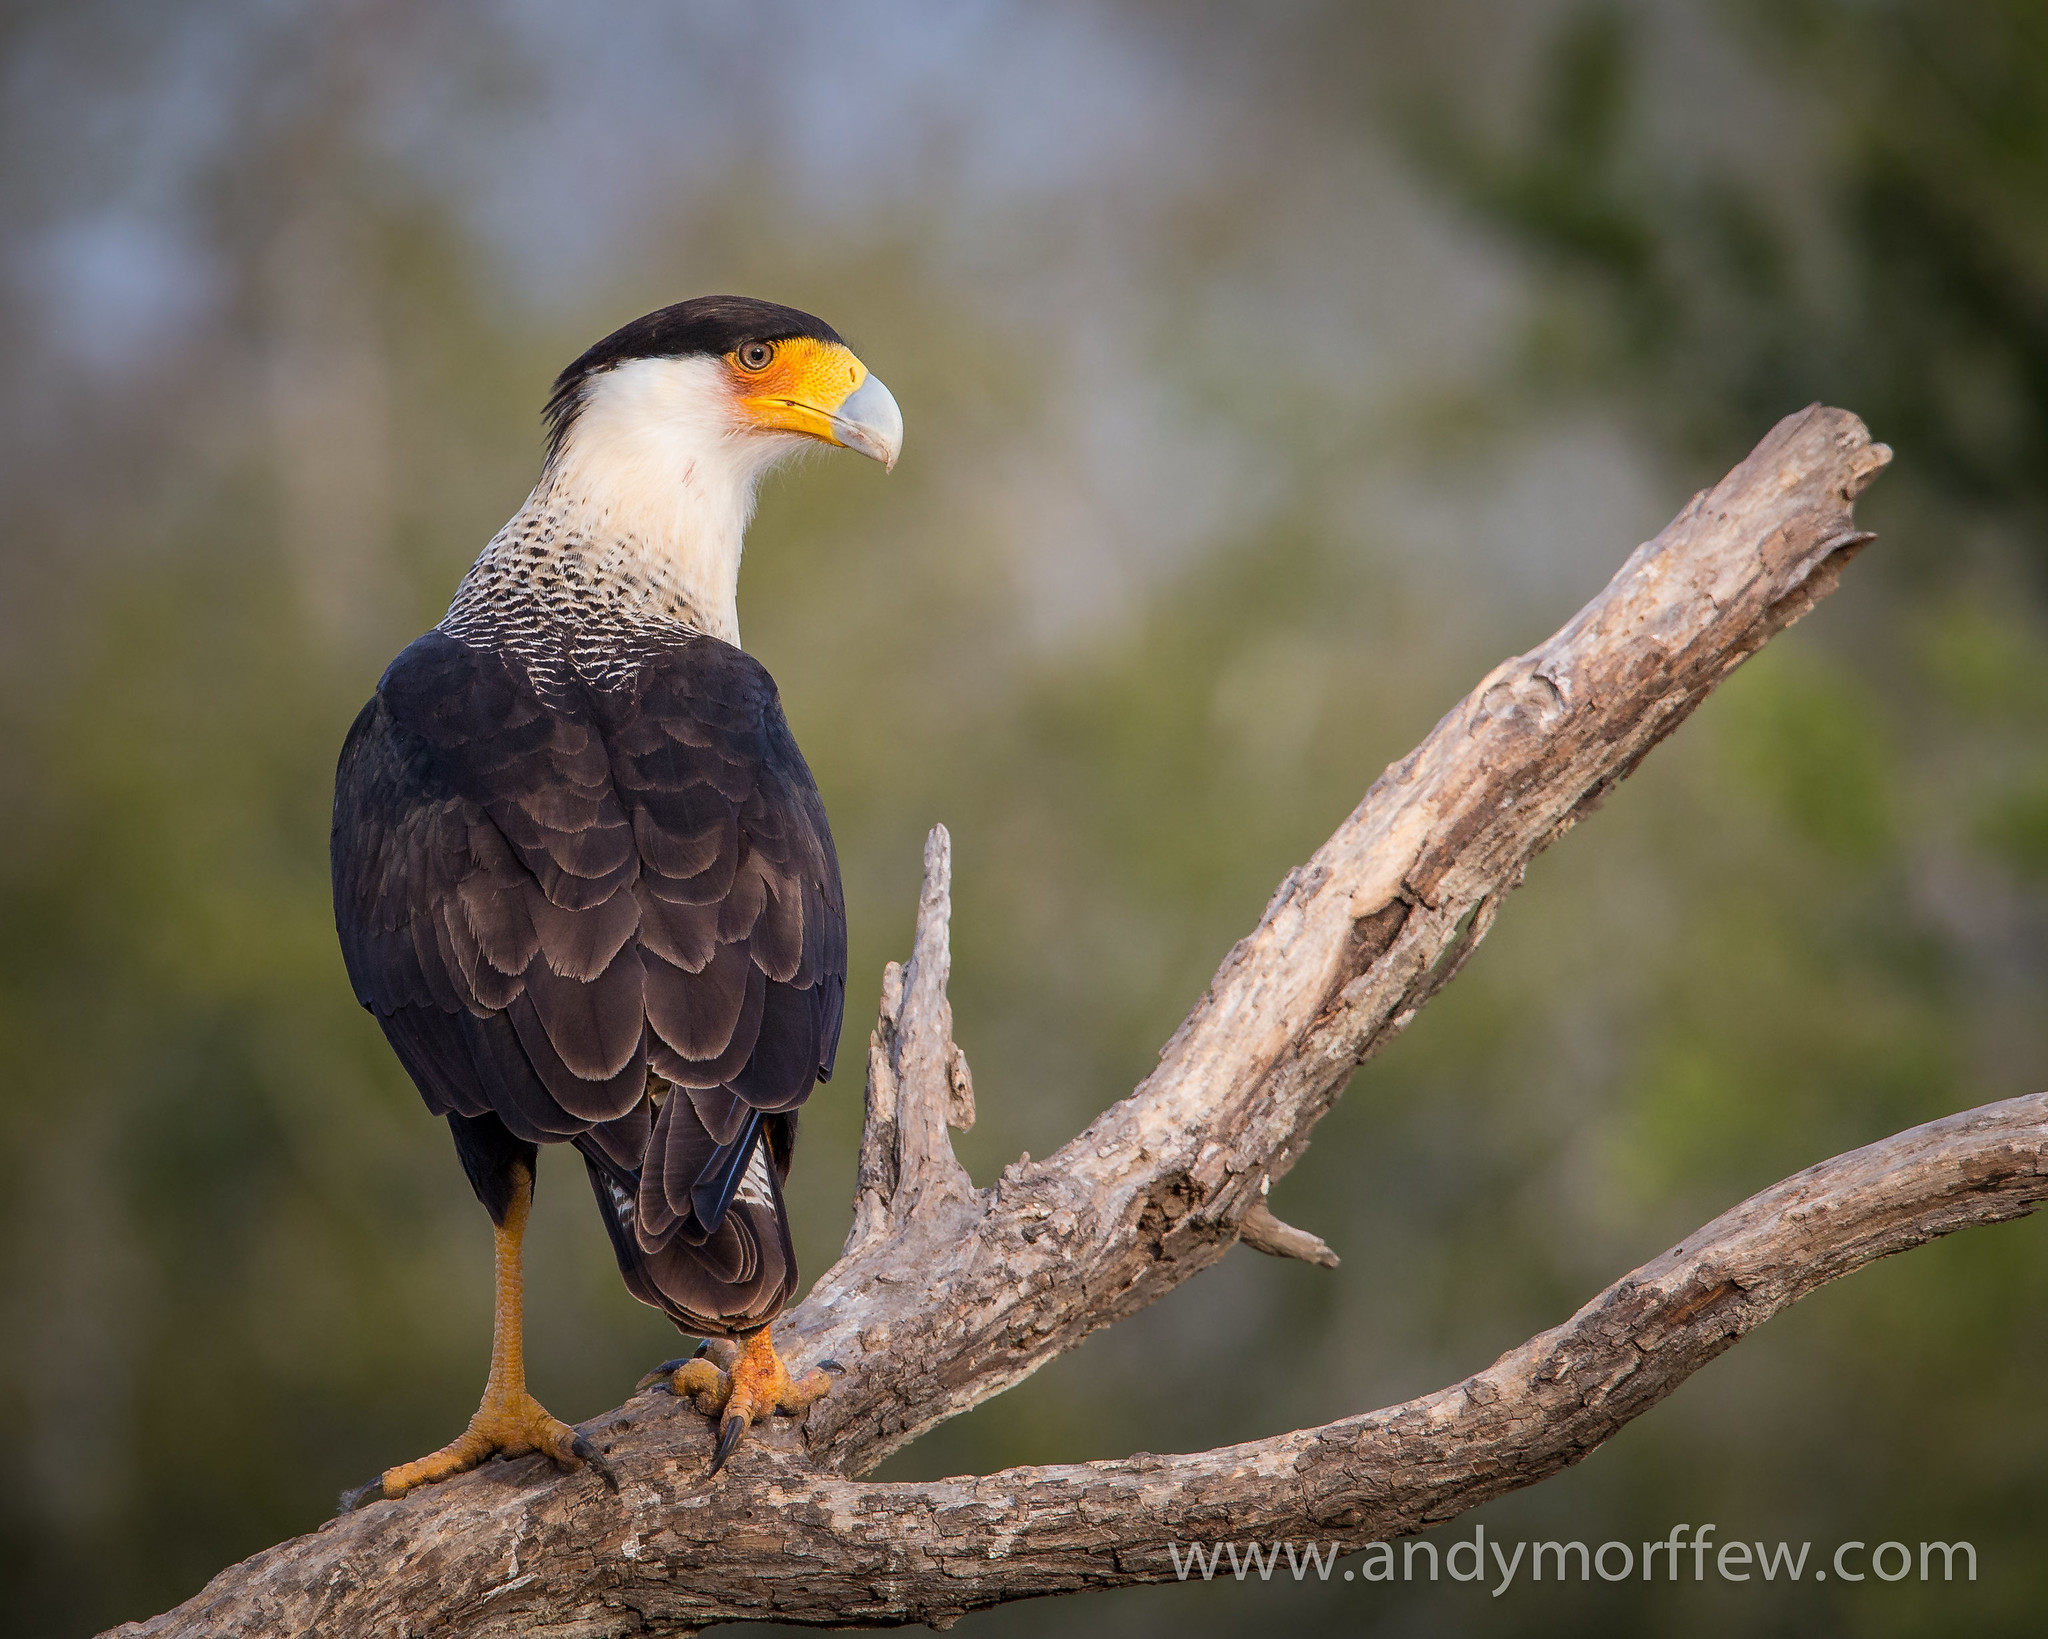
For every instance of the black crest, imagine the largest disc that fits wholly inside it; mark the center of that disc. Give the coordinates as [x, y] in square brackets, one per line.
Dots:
[709, 325]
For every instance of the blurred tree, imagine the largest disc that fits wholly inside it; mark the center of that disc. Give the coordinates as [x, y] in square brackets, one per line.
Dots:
[1882, 248]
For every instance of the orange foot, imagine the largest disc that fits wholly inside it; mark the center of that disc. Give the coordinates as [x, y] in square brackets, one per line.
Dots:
[745, 1383]
[513, 1423]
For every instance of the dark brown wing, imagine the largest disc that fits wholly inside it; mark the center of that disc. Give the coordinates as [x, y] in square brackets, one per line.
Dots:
[743, 927]
[540, 897]
[483, 890]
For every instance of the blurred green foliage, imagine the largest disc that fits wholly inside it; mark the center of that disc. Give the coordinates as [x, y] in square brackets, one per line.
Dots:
[1232, 463]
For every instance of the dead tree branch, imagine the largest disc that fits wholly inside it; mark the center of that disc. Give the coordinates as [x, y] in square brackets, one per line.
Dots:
[504, 1555]
[946, 1295]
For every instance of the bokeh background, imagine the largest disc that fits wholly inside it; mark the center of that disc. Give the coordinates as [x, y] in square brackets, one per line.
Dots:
[1270, 372]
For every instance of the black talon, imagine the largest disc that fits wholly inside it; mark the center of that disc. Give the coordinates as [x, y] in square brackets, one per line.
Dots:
[662, 1376]
[354, 1499]
[596, 1461]
[729, 1433]
[833, 1367]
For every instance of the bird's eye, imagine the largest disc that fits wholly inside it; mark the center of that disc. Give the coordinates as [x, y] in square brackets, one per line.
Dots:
[755, 355]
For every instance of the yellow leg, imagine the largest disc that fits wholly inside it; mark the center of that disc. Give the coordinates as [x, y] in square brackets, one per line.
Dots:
[746, 1383]
[509, 1420]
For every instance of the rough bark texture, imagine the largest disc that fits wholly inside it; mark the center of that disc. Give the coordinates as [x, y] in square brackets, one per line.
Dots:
[514, 1551]
[946, 1295]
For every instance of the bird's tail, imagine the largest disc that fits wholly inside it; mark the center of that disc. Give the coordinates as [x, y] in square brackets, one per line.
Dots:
[712, 1282]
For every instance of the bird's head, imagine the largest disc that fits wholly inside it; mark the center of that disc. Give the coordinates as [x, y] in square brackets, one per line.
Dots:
[659, 435]
[723, 382]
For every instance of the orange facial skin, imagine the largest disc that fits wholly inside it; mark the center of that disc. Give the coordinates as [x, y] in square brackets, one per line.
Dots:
[800, 388]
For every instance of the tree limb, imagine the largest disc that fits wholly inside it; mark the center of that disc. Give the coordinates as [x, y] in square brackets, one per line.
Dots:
[946, 1295]
[788, 1543]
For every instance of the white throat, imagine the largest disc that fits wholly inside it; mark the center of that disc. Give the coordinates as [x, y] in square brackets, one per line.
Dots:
[650, 494]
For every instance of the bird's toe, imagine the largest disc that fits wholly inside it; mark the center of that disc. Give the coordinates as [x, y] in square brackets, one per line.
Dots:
[663, 1376]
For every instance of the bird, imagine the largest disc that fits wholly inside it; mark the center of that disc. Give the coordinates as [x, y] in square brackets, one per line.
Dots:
[583, 877]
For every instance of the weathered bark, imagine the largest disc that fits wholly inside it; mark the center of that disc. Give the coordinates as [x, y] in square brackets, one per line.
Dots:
[513, 1551]
[946, 1295]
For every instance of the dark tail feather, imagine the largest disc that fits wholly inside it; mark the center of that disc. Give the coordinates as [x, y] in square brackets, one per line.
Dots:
[711, 1195]
[615, 1188]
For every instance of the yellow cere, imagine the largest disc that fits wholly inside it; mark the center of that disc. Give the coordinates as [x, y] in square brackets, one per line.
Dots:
[801, 386]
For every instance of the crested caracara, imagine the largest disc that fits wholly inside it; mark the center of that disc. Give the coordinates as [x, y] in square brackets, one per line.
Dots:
[582, 876]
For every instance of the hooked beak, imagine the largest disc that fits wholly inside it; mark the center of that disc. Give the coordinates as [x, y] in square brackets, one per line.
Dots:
[870, 422]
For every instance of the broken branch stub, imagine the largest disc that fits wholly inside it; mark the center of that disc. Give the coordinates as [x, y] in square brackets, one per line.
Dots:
[918, 1082]
[1263, 1232]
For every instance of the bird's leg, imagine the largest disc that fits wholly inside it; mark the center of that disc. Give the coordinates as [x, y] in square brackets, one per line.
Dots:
[746, 1382]
[509, 1420]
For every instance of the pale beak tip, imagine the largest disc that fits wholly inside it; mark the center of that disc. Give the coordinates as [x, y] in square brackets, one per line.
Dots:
[871, 422]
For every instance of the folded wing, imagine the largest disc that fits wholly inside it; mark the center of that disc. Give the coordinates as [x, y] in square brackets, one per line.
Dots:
[544, 896]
